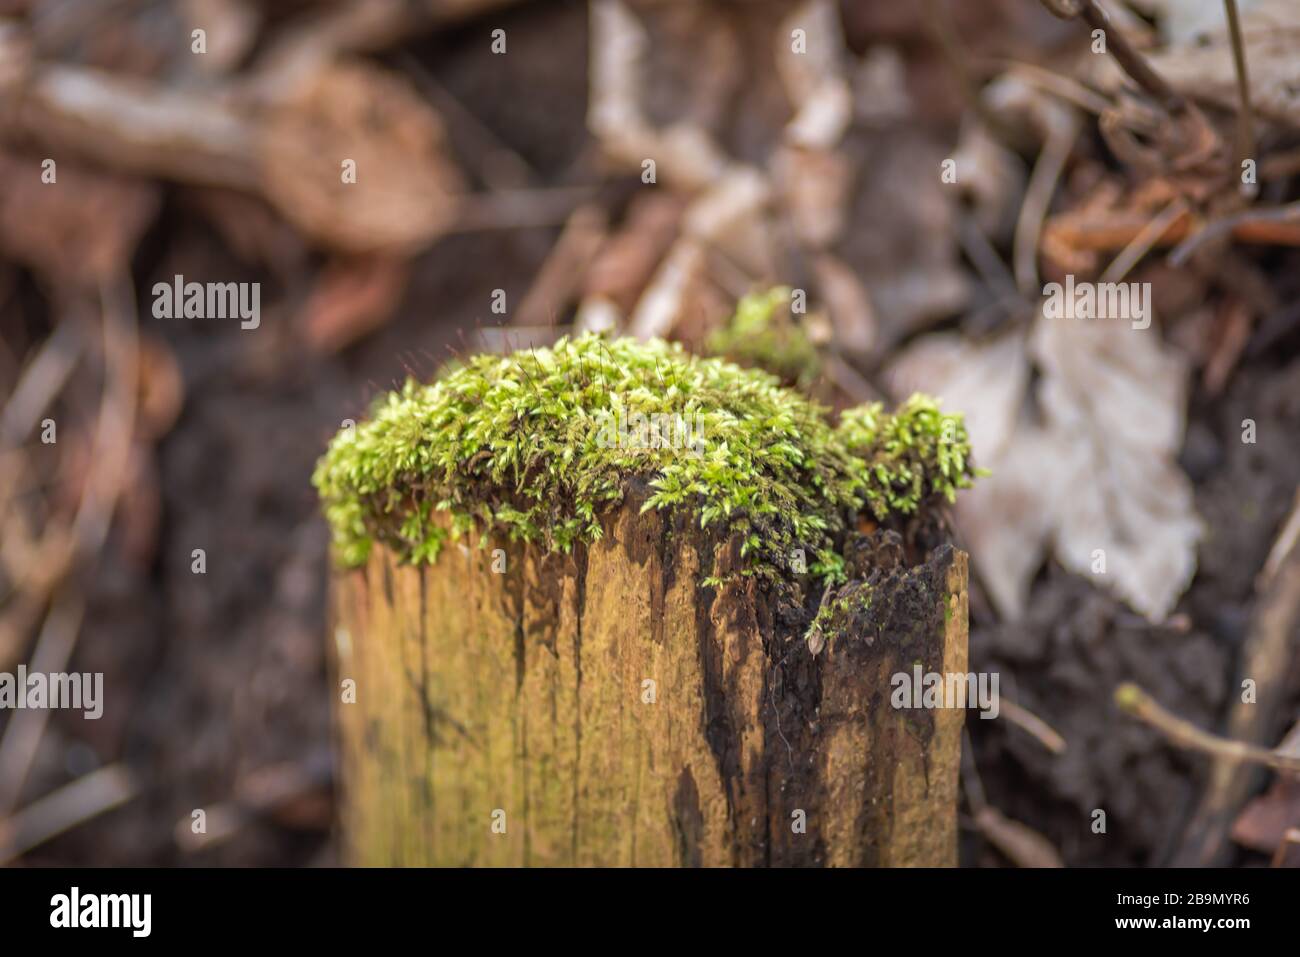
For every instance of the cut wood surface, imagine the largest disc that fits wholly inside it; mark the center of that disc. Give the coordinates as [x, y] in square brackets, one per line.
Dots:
[605, 708]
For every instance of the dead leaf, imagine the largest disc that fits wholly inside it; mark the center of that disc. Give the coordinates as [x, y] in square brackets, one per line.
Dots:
[162, 389]
[1203, 66]
[814, 78]
[814, 186]
[352, 298]
[851, 313]
[1115, 400]
[405, 188]
[231, 29]
[81, 228]
[1263, 823]
[1095, 478]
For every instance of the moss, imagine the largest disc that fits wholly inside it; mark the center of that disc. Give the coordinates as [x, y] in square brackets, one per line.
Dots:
[911, 455]
[839, 613]
[536, 445]
[761, 334]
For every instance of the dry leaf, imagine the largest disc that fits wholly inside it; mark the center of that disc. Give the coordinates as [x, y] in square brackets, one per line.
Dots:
[82, 228]
[1096, 478]
[352, 298]
[685, 155]
[1115, 400]
[1263, 823]
[405, 186]
[162, 389]
[1204, 69]
[815, 79]
[851, 313]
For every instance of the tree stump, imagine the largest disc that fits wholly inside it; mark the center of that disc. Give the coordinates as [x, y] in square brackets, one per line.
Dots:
[615, 604]
[506, 706]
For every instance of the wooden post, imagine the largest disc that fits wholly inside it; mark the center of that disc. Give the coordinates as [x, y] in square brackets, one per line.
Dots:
[606, 708]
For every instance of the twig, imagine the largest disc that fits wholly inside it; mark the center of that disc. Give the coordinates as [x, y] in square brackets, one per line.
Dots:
[1233, 225]
[1067, 88]
[1184, 734]
[1245, 115]
[111, 451]
[519, 208]
[565, 267]
[498, 166]
[1289, 840]
[1022, 845]
[69, 806]
[130, 125]
[42, 380]
[1283, 546]
[1027, 721]
[23, 733]
[1143, 242]
[1038, 197]
[320, 37]
[1129, 59]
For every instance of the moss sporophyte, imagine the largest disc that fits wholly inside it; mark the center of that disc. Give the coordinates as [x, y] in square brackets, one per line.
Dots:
[537, 445]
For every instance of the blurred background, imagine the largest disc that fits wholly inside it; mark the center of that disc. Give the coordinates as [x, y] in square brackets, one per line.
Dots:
[408, 180]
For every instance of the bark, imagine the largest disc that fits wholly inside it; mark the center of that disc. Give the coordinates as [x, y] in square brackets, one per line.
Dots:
[521, 698]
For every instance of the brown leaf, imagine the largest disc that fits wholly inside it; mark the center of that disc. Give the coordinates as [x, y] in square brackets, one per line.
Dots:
[162, 389]
[1116, 399]
[405, 185]
[1264, 822]
[1204, 67]
[81, 228]
[352, 298]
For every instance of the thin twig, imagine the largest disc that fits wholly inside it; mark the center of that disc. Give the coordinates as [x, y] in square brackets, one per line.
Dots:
[1126, 55]
[69, 806]
[111, 452]
[1027, 721]
[1067, 88]
[23, 733]
[1289, 213]
[1283, 546]
[944, 31]
[1245, 115]
[1184, 734]
[1143, 242]
[1038, 197]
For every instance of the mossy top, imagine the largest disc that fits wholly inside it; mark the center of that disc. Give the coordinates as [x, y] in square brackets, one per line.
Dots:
[535, 445]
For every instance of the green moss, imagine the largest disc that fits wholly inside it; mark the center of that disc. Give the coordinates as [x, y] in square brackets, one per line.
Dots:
[838, 614]
[911, 455]
[761, 334]
[536, 445]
